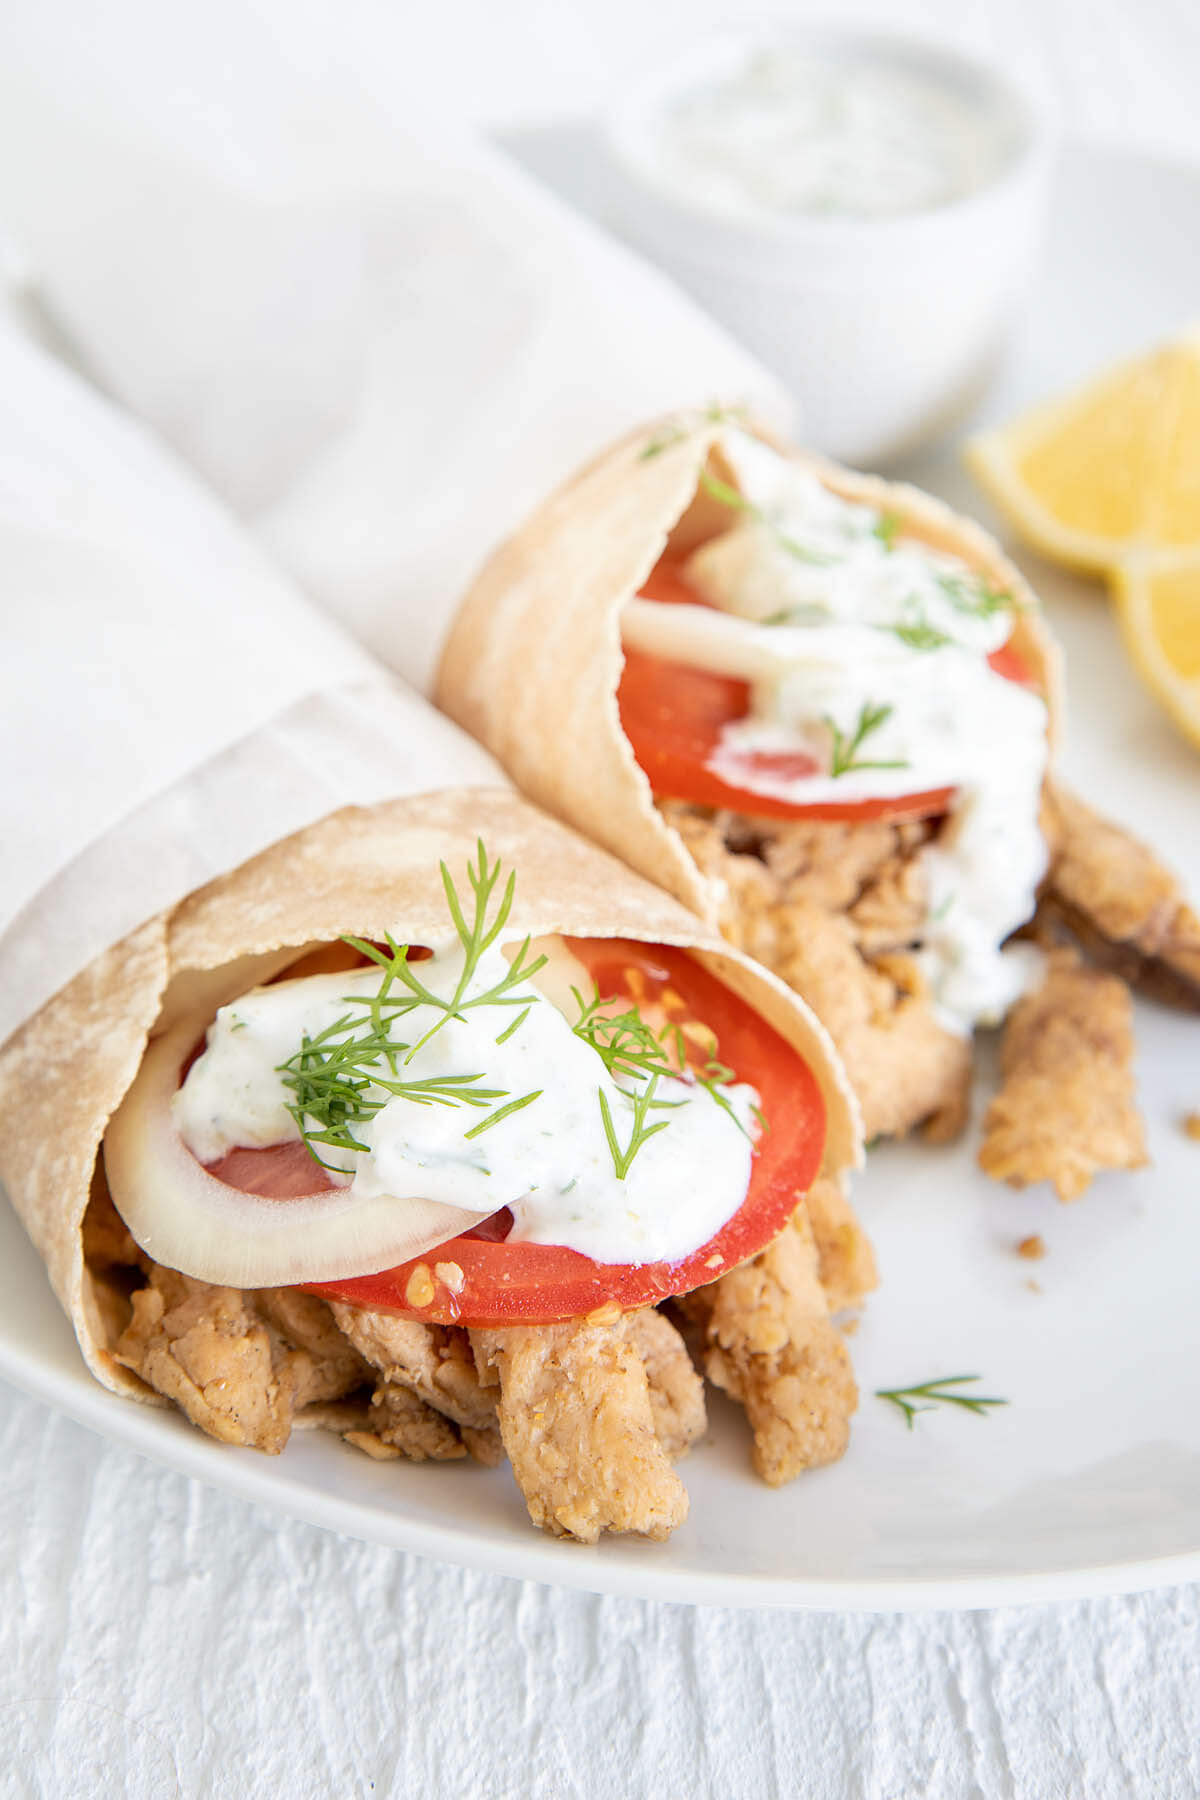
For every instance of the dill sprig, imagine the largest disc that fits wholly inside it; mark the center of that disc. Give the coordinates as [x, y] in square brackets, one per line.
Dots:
[504, 1112]
[644, 1101]
[919, 634]
[345, 1074]
[712, 414]
[624, 1042]
[675, 434]
[975, 595]
[476, 937]
[630, 1050]
[937, 1393]
[332, 1075]
[846, 745]
[730, 496]
[807, 612]
[887, 528]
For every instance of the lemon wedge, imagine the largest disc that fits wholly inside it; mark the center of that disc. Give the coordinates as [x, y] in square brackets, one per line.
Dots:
[1158, 604]
[1108, 471]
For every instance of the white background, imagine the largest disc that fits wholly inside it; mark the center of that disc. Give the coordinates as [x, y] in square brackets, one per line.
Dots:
[158, 1638]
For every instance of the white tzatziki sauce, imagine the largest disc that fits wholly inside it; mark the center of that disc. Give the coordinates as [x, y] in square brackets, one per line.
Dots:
[795, 131]
[550, 1162]
[834, 620]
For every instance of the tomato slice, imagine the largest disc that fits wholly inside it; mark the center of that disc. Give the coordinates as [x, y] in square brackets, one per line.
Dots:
[673, 716]
[499, 1283]
[1012, 665]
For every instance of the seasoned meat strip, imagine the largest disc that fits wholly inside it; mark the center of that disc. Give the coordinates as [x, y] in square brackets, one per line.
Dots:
[484, 1445]
[1125, 908]
[846, 1261]
[832, 908]
[902, 1064]
[676, 1388]
[107, 1244]
[771, 1344]
[400, 1424]
[1066, 1107]
[578, 1425]
[208, 1349]
[836, 864]
[325, 1366]
[435, 1361]
[890, 913]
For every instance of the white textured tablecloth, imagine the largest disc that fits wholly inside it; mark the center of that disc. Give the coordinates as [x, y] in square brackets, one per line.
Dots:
[161, 1639]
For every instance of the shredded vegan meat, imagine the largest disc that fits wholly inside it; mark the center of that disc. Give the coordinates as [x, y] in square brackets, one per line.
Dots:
[1123, 905]
[770, 1343]
[107, 1244]
[433, 1361]
[214, 1351]
[400, 1424]
[846, 1261]
[1065, 1109]
[579, 1428]
[676, 1388]
[326, 1364]
[834, 910]
[590, 1413]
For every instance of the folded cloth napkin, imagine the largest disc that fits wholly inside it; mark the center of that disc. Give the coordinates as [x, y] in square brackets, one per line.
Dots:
[169, 702]
[382, 345]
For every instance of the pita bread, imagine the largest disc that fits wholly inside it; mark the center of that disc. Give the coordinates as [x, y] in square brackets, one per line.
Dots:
[364, 871]
[533, 660]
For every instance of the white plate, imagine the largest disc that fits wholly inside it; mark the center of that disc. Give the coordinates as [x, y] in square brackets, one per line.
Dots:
[1089, 1481]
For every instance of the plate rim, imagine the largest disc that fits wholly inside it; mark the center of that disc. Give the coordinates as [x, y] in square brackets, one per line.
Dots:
[550, 1561]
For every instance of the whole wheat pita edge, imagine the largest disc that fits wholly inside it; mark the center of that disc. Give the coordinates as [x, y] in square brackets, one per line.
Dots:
[823, 709]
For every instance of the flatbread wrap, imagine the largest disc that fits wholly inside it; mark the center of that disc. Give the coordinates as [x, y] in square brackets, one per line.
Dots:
[435, 1125]
[821, 709]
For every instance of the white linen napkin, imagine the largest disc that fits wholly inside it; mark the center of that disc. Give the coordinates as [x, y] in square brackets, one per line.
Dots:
[169, 703]
[383, 346]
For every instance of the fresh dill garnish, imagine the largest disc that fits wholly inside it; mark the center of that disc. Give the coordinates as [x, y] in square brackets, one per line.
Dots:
[345, 1074]
[846, 746]
[623, 1041]
[516, 1025]
[504, 1112]
[729, 496]
[331, 1075]
[975, 595]
[712, 414]
[808, 612]
[714, 1079]
[674, 435]
[725, 412]
[919, 634]
[644, 1102]
[937, 1393]
[476, 938]
[628, 1048]
[887, 529]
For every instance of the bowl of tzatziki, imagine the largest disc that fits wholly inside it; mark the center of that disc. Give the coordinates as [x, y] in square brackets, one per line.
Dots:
[862, 210]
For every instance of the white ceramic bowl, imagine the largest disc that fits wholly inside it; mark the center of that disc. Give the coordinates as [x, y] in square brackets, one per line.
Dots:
[884, 326]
